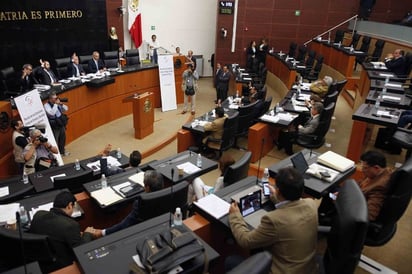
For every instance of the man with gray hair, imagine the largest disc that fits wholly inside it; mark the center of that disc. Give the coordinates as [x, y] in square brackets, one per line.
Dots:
[321, 87]
[38, 153]
[286, 138]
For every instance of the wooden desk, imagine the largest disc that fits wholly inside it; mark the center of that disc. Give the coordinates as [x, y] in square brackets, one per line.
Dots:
[283, 70]
[257, 133]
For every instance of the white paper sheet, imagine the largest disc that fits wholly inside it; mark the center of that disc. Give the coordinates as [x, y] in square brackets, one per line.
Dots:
[8, 212]
[106, 196]
[4, 191]
[214, 205]
[188, 168]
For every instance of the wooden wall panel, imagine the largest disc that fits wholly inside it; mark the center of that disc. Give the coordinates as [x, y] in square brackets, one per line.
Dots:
[115, 19]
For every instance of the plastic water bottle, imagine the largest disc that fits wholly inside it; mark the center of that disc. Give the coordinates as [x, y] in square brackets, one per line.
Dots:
[351, 48]
[276, 108]
[265, 177]
[118, 153]
[378, 102]
[199, 160]
[25, 178]
[177, 218]
[23, 216]
[103, 181]
[77, 164]
[386, 80]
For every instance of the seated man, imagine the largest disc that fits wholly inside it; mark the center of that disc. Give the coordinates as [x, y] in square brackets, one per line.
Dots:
[286, 138]
[289, 232]
[27, 80]
[215, 128]
[395, 62]
[59, 225]
[405, 119]
[153, 181]
[374, 186]
[321, 87]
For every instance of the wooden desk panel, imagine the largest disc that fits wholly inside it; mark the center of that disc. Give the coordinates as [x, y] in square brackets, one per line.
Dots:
[281, 70]
[257, 133]
[185, 139]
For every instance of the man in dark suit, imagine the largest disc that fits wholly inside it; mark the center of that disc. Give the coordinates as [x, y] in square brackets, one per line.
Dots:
[27, 80]
[153, 181]
[96, 64]
[286, 138]
[223, 83]
[395, 62]
[62, 229]
[280, 230]
[47, 76]
[74, 68]
[216, 79]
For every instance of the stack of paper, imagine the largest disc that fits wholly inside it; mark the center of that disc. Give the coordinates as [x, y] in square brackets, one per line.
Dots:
[214, 205]
[138, 178]
[106, 196]
[335, 161]
[316, 169]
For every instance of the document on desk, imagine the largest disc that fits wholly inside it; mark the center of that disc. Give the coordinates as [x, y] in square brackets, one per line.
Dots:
[378, 65]
[4, 191]
[214, 205]
[391, 98]
[316, 170]
[48, 206]
[138, 178]
[335, 161]
[188, 168]
[269, 118]
[106, 196]
[393, 85]
[58, 175]
[8, 212]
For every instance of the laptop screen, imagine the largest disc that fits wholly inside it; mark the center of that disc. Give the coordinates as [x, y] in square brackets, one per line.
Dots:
[299, 162]
[250, 203]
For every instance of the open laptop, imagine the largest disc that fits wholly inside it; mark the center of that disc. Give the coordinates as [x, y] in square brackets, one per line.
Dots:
[251, 209]
[299, 162]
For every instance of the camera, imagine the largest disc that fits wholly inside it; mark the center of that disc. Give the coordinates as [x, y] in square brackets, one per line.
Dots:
[64, 100]
[26, 130]
[42, 139]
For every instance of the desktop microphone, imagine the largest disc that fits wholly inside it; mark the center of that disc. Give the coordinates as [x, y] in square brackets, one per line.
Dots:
[19, 227]
[172, 171]
[260, 159]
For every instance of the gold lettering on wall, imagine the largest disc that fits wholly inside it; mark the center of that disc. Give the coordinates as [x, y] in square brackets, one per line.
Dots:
[38, 15]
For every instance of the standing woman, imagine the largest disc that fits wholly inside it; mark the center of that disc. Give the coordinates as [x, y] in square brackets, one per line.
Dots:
[190, 88]
[250, 54]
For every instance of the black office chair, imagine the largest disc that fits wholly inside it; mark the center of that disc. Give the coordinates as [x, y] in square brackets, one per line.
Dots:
[132, 57]
[153, 204]
[313, 75]
[355, 40]
[310, 61]
[266, 105]
[36, 248]
[317, 138]
[301, 53]
[238, 170]
[246, 120]
[84, 61]
[61, 67]
[347, 234]
[366, 40]
[228, 137]
[10, 82]
[259, 263]
[339, 36]
[111, 59]
[377, 52]
[394, 206]
[75, 182]
[292, 49]
[340, 85]
[330, 98]
[403, 137]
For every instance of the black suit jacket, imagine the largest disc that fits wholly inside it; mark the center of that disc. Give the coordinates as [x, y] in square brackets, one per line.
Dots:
[397, 66]
[92, 65]
[27, 83]
[45, 78]
[71, 70]
[223, 81]
[63, 231]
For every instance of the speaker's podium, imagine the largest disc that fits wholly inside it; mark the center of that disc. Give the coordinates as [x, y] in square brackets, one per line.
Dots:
[143, 113]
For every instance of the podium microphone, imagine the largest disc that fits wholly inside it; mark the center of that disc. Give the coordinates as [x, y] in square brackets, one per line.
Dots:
[19, 227]
[172, 172]
[260, 159]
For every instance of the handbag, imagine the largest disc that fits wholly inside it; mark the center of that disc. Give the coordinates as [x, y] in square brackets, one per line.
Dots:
[190, 91]
[161, 252]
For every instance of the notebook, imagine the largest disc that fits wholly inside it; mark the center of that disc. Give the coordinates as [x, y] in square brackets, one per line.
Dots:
[251, 208]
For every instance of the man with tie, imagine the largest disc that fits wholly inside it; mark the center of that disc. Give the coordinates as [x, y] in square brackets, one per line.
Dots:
[286, 138]
[216, 80]
[96, 64]
[47, 75]
[74, 68]
[223, 83]
[27, 79]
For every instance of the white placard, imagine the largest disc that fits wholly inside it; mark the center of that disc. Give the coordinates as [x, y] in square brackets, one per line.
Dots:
[167, 82]
[32, 112]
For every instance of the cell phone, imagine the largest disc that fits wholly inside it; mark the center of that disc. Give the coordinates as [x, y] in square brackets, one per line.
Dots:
[266, 190]
[324, 174]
